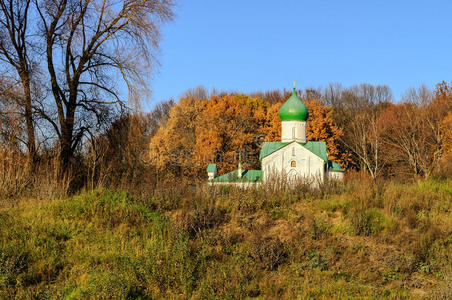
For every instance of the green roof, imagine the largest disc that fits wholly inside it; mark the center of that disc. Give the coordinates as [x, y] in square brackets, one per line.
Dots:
[211, 168]
[293, 109]
[318, 148]
[270, 147]
[334, 167]
[247, 176]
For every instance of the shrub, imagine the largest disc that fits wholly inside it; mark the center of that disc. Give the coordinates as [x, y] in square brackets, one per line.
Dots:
[269, 252]
[319, 227]
[366, 222]
[205, 215]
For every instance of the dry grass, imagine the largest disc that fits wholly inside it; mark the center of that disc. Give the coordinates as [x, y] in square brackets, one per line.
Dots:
[18, 180]
[359, 240]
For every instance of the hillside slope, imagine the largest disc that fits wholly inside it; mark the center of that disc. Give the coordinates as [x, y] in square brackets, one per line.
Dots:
[359, 240]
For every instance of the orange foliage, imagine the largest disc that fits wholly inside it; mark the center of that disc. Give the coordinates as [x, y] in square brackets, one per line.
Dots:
[321, 127]
[200, 132]
[446, 125]
[171, 148]
[272, 127]
[229, 124]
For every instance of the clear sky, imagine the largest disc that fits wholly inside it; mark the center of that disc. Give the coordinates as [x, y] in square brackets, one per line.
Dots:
[250, 45]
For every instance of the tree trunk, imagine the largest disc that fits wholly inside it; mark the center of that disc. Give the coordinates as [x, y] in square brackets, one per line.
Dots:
[31, 143]
[66, 149]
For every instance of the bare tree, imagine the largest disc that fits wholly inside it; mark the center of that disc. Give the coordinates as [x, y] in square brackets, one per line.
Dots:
[89, 44]
[415, 132]
[419, 96]
[159, 116]
[365, 141]
[198, 92]
[332, 94]
[356, 110]
[14, 44]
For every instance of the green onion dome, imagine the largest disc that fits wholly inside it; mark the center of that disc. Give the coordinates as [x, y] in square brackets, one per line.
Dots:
[293, 109]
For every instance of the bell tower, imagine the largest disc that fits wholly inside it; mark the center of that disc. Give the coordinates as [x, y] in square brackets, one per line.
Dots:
[293, 116]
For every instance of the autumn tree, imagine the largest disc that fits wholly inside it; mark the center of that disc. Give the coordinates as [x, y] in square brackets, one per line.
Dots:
[446, 125]
[355, 111]
[89, 45]
[320, 126]
[15, 53]
[416, 132]
[272, 127]
[214, 130]
[231, 124]
[117, 156]
[11, 129]
[364, 139]
[171, 149]
[443, 103]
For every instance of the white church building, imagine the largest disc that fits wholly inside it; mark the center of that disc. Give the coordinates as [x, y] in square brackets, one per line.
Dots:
[292, 159]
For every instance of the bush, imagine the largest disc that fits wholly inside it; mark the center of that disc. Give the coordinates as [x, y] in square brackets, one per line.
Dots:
[269, 252]
[366, 222]
[229, 243]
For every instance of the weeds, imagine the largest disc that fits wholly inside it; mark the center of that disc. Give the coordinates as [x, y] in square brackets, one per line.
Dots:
[353, 241]
[268, 252]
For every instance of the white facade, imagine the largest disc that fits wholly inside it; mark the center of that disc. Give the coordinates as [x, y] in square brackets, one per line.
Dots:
[244, 185]
[334, 175]
[293, 162]
[293, 131]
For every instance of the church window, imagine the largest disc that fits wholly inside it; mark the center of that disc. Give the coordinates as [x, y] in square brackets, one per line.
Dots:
[293, 151]
[293, 132]
[293, 164]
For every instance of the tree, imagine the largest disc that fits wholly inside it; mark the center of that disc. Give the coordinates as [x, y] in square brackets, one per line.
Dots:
[14, 45]
[320, 126]
[446, 124]
[272, 126]
[199, 132]
[347, 106]
[365, 141]
[89, 44]
[171, 149]
[416, 133]
[11, 129]
[230, 124]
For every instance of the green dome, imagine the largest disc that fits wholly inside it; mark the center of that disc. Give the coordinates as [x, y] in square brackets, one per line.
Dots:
[293, 109]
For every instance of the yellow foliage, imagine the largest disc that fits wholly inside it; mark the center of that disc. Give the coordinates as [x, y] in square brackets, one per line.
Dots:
[171, 148]
[200, 132]
[446, 126]
[321, 127]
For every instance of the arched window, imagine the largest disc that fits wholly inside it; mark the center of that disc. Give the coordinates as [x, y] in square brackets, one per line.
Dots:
[293, 164]
[293, 132]
[293, 151]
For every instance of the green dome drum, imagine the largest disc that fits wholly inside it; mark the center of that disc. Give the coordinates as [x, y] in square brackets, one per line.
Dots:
[293, 109]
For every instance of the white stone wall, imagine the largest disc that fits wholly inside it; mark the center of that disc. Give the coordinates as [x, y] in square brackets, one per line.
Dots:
[244, 185]
[293, 162]
[336, 176]
[293, 131]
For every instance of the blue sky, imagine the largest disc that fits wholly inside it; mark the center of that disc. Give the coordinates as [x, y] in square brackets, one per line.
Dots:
[252, 45]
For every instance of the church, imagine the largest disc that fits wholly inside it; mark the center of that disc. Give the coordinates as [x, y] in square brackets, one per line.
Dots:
[293, 158]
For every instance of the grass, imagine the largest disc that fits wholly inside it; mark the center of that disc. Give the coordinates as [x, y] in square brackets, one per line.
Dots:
[354, 241]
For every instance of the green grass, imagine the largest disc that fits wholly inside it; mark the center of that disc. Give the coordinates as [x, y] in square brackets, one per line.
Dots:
[357, 241]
